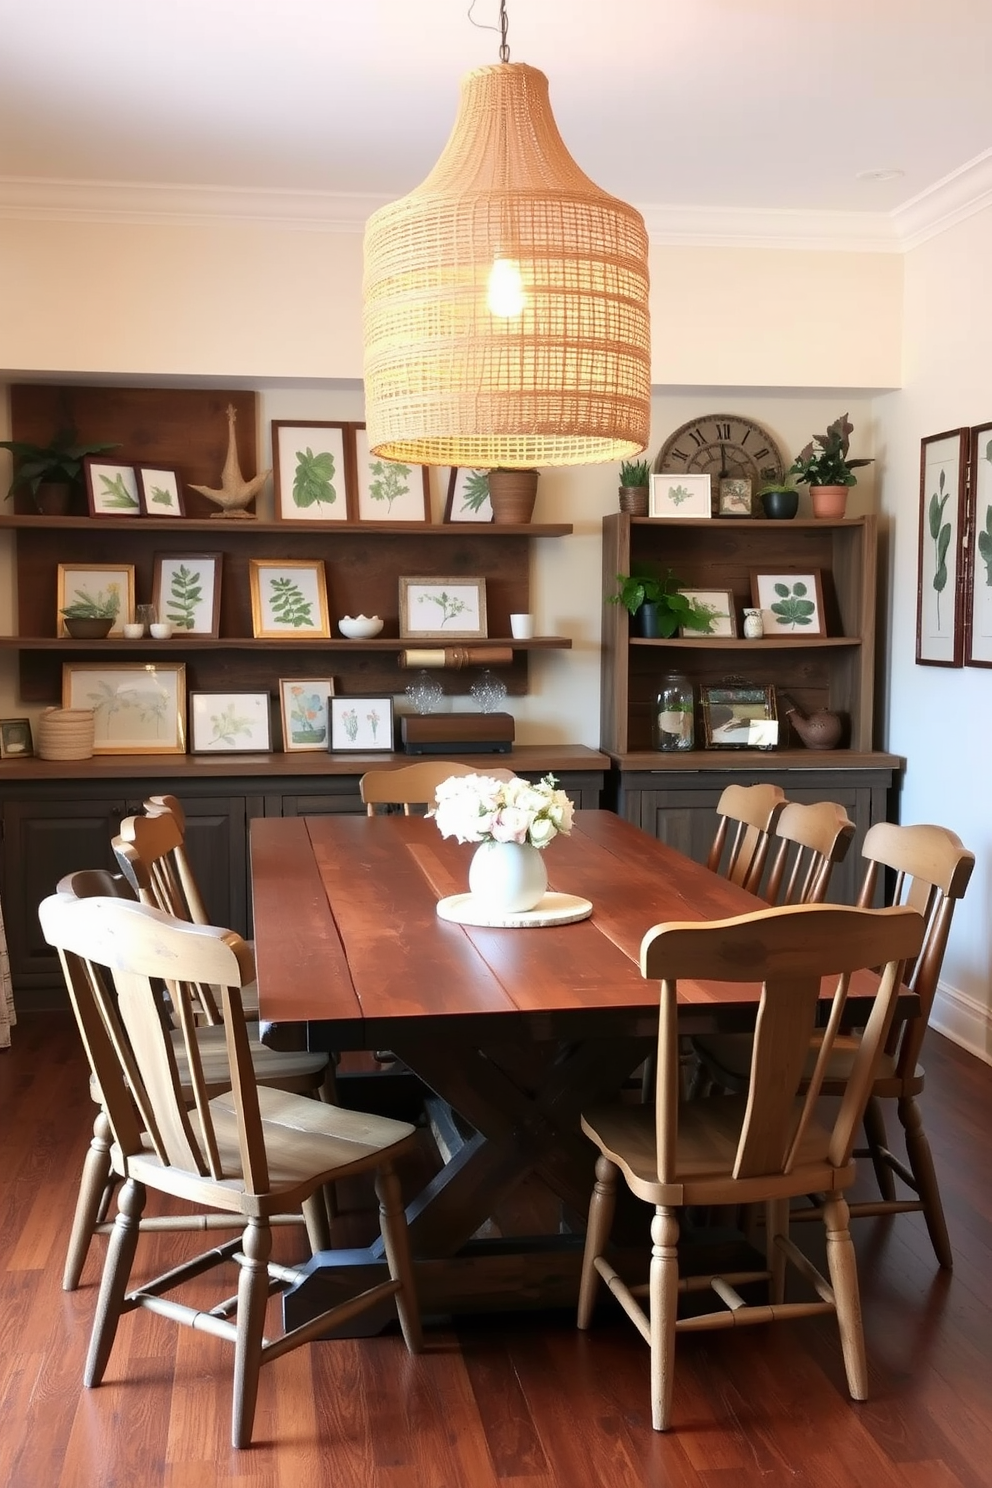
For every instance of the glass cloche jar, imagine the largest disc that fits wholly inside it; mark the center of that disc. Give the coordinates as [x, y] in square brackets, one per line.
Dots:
[674, 714]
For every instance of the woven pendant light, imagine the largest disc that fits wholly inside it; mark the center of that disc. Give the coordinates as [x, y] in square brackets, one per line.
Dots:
[559, 372]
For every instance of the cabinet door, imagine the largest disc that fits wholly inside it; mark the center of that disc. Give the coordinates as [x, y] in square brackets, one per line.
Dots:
[42, 841]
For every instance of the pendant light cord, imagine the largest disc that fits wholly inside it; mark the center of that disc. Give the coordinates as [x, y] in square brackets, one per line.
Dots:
[504, 50]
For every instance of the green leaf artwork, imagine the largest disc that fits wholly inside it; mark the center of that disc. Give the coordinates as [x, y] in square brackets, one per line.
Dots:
[475, 492]
[678, 494]
[449, 604]
[289, 604]
[227, 725]
[940, 532]
[985, 534]
[117, 495]
[312, 481]
[107, 700]
[389, 480]
[792, 608]
[160, 497]
[185, 593]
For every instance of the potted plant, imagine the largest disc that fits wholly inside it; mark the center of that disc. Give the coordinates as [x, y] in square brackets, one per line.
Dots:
[50, 473]
[634, 487]
[657, 607]
[91, 616]
[779, 499]
[825, 466]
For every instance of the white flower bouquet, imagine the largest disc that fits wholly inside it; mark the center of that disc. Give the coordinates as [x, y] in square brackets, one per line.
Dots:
[478, 808]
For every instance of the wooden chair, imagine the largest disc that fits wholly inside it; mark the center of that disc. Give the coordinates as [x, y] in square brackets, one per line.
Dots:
[746, 815]
[761, 1147]
[414, 785]
[297, 1071]
[808, 841]
[250, 1152]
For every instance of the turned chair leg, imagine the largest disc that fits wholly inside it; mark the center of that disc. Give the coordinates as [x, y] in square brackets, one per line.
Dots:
[96, 1187]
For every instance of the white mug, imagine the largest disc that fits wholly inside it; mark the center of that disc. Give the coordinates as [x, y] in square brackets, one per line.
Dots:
[522, 627]
[161, 630]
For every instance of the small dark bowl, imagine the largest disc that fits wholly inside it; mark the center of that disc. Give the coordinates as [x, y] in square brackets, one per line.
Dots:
[780, 505]
[88, 630]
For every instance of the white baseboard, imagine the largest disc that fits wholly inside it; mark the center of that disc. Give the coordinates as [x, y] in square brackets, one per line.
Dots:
[963, 1020]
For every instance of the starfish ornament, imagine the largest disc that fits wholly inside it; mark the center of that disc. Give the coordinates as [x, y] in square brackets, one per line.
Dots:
[235, 493]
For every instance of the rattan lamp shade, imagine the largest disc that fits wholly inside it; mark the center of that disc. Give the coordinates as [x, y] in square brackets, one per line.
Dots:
[564, 382]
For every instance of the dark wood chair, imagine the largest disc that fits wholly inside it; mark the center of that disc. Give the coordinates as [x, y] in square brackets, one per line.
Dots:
[251, 1152]
[764, 1146]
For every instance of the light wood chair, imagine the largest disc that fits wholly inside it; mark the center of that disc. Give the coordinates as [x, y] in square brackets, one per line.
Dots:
[762, 1147]
[746, 815]
[414, 785]
[297, 1071]
[252, 1152]
[808, 840]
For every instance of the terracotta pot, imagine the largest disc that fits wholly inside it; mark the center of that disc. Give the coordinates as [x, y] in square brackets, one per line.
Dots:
[829, 501]
[634, 499]
[512, 494]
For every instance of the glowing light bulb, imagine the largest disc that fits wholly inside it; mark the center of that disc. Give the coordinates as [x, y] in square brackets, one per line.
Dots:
[505, 291]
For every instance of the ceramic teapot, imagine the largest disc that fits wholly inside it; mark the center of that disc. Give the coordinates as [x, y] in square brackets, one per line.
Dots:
[820, 729]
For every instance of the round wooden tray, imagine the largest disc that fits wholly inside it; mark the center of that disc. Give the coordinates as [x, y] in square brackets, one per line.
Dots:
[553, 909]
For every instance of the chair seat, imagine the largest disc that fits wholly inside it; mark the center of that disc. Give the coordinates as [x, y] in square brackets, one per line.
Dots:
[304, 1140]
[708, 1138]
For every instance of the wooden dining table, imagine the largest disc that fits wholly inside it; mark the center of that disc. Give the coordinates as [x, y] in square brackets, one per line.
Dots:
[513, 1030]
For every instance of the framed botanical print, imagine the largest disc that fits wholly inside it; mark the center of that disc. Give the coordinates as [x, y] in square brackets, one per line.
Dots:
[89, 590]
[138, 708]
[943, 478]
[229, 723]
[791, 604]
[15, 738]
[288, 597]
[388, 490]
[310, 471]
[722, 611]
[978, 590]
[186, 591]
[468, 496]
[361, 723]
[159, 490]
[303, 705]
[435, 608]
[111, 489]
[679, 496]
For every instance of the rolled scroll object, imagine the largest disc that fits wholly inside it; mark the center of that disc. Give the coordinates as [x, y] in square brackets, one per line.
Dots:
[453, 658]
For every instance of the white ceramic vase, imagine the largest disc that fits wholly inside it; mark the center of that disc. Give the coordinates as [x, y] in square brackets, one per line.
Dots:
[507, 877]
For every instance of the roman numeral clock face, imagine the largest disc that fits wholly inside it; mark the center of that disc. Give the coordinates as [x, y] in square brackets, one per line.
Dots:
[723, 445]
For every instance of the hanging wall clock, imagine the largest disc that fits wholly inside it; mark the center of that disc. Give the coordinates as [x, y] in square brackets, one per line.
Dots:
[725, 446]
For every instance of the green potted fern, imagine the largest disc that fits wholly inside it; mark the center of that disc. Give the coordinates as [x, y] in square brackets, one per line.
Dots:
[50, 474]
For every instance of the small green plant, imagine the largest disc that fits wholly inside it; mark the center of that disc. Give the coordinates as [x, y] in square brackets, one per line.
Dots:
[290, 605]
[634, 473]
[940, 532]
[313, 477]
[674, 608]
[786, 484]
[60, 461]
[185, 593]
[99, 606]
[825, 460]
[792, 607]
[389, 480]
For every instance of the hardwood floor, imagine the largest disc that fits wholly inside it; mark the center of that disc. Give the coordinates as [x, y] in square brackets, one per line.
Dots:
[521, 1401]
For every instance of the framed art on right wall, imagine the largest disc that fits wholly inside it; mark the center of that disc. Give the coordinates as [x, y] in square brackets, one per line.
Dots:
[943, 479]
[978, 599]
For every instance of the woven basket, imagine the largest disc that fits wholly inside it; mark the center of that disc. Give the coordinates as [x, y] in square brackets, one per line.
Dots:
[65, 733]
[512, 494]
[634, 499]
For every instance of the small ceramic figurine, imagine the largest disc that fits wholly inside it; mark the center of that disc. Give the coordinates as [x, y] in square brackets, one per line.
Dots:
[754, 627]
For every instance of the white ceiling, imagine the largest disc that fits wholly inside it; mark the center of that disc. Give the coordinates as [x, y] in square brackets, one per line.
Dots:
[670, 104]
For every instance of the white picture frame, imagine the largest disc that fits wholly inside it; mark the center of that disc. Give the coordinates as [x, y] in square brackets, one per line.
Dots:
[674, 494]
[389, 491]
[138, 707]
[186, 591]
[230, 723]
[288, 598]
[435, 608]
[304, 707]
[310, 474]
[361, 725]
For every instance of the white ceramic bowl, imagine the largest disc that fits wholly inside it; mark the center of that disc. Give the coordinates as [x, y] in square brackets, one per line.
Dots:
[359, 627]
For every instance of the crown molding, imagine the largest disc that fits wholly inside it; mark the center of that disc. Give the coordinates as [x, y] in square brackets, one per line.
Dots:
[947, 202]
